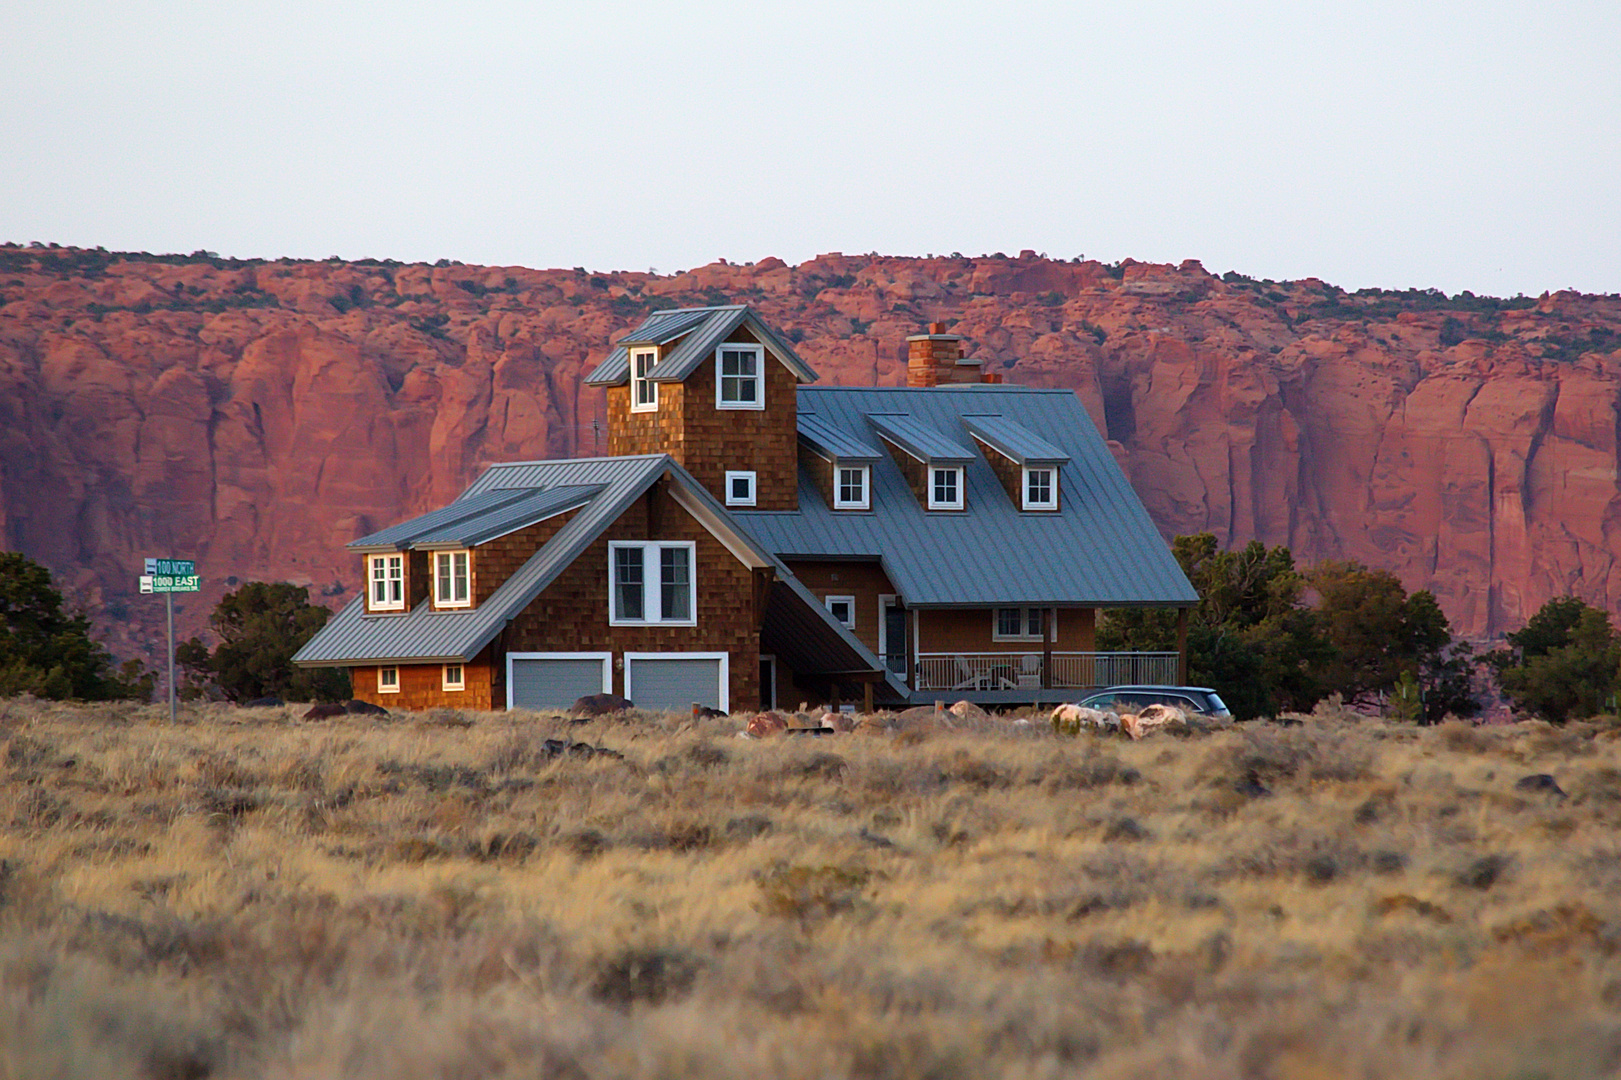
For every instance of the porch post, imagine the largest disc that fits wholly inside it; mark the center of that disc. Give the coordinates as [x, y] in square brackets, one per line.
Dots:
[1182, 646]
[1048, 625]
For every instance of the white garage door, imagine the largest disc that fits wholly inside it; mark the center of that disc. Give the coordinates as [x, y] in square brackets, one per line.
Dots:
[555, 680]
[676, 680]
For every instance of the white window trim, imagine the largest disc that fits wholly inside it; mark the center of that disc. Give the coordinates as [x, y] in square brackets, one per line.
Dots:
[725, 659]
[433, 566]
[935, 504]
[754, 487]
[1024, 487]
[652, 596]
[459, 684]
[605, 657]
[829, 601]
[384, 688]
[1024, 620]
[759, 375]
[866, 487]
[371, 596]
[637, 380]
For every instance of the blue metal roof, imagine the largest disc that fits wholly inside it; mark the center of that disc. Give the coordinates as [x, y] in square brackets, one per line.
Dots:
[833, 443]
[700, 331]
[921, 440]
[1013, 440]
[1099, 549]
[476, 519]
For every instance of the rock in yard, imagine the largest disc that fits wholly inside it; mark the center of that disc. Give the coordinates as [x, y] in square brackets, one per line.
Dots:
[325, 712]
[1543, 782]
[601, 705]
[766, 724]
[364, 708]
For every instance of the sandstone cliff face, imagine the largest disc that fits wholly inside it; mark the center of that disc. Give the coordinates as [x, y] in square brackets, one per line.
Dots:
[258, 415]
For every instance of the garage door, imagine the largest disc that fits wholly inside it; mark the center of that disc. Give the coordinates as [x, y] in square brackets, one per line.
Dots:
[555, 680]
[676, 680]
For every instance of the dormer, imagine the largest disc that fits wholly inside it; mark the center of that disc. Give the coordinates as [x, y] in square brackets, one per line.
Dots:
[839, 464]
[715, 388]
[935, 465]
[1028, 466]
[455, 557]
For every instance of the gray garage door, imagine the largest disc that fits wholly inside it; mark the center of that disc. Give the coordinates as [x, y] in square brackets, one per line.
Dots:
[674, 682]
[554, 682]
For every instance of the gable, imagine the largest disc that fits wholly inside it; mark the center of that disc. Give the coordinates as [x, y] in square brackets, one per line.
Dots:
[689, 336]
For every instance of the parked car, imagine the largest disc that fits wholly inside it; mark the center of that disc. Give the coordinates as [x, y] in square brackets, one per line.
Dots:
[1199, 700]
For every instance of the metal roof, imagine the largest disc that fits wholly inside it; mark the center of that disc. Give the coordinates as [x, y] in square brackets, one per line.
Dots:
[1014, 441]
[1099, 549]
[921, 440]
[704, 330]
[831, 442]
[476, 519]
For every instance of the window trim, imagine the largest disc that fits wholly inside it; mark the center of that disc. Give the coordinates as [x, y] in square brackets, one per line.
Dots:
[372, 581]
[829, 601]
[460, 682]
[637, 382]
[937, 504]
[865, 501]
[1025, 502]
[1024, 621]
[452, 604]
[652, 583]
[384, 687]
[754, 487]
[759, 375]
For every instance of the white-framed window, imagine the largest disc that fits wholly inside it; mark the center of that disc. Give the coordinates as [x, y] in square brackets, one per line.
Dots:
[387, 576]
[842, 608]
[1040, 487]
[1020, 624]
[644, 392]
[455, 677]
[388, 680]
[740, 377]
[740, 488]
[452, 580]
[651, 583]
[945, 487]
[850, 483]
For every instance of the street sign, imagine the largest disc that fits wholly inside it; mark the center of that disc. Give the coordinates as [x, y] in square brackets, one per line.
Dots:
[167, 583]
[170, 568]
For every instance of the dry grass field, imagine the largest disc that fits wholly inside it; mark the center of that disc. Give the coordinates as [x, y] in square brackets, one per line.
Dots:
[249, 895]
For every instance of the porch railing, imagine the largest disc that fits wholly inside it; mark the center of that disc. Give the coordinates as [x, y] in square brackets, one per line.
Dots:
[1023, 671]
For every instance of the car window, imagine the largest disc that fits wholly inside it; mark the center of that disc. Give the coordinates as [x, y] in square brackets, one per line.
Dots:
[1098, 701]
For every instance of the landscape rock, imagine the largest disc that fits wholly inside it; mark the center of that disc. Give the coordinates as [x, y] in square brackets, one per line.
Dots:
[764, 725]
[363, 708]
[967, 710]
[324, 712]
[1070, 719]
[593, 705]
[1540, 782]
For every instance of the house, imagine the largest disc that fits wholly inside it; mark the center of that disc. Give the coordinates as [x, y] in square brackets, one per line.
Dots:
[752, 539]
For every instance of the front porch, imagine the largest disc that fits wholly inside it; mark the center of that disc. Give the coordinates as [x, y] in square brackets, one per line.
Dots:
[1014, 678]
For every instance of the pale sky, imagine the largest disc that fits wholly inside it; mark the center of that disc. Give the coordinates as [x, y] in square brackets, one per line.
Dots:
[1447, 144]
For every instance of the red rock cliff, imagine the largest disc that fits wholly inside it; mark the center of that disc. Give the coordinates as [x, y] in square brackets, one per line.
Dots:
[258, 415]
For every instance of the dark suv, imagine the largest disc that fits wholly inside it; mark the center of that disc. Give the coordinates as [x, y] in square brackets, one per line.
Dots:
[1200, 700]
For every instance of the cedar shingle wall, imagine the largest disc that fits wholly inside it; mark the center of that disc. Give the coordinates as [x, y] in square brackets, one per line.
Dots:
[708, 442]
[969, 630]
[571, 615]
[422, 686]
[1008, 472]
[866, 581]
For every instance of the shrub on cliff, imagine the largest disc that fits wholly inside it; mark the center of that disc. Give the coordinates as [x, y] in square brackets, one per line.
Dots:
[1564, 663]
[48, 652]
[261, 625]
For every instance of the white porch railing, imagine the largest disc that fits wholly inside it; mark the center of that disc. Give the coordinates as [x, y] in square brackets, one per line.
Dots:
[1023, 670]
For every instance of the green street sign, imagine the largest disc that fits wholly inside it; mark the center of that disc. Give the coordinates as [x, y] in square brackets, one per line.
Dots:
[167, 583]
[170, 568]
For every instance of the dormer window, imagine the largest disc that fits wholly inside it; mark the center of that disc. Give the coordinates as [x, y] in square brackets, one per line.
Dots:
[452, 579]
[850, 487]
[945, 487]
[739, 377]
[644, 392]
[387, 576]
[1040, 488]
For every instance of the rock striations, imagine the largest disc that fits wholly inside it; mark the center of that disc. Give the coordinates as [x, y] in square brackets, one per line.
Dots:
[256, 415]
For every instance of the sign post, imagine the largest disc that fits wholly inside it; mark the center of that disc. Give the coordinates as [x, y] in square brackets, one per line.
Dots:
[169, 576]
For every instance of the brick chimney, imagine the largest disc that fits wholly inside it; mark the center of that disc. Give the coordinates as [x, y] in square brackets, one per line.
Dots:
[936, 359]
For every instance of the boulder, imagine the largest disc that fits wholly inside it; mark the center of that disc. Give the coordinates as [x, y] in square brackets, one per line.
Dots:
[1070, 719]
[325, 712]
[764, 725]
[601, 705]
[363, 708]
